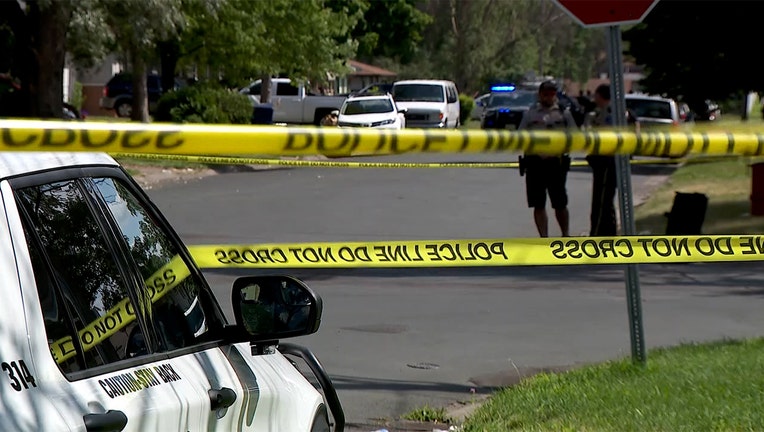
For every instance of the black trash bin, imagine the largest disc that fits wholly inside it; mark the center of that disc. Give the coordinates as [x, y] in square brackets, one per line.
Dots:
[687, 214]
[262, 114]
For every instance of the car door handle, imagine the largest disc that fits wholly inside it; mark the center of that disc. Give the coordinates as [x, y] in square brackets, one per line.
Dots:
[110, 421]
[222, 398]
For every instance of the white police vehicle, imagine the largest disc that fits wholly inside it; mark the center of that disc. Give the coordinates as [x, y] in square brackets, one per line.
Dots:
[106, 323]
[379, 111]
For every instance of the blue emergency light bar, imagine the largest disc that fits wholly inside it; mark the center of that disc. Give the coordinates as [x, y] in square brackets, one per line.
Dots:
[503, 88]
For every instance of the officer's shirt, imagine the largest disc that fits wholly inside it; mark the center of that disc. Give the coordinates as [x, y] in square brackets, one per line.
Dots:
[539, 117]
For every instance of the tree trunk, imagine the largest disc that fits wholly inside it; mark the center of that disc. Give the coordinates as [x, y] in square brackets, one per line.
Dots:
[36, 57]
[265, 88]
[140, 89]
[17, 58]
[169, 53]
[50, 49]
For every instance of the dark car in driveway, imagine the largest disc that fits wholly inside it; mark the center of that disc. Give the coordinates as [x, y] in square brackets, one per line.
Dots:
[505, 107]
[118, 93]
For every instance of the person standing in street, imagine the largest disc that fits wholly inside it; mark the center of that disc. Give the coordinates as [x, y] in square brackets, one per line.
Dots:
[604, 179]
[602, 218]
[547, 174]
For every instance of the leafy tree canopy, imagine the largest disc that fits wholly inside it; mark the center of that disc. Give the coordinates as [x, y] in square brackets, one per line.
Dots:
[696, 51]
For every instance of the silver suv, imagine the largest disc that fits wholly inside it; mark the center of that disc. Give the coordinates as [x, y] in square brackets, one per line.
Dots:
[653, 110]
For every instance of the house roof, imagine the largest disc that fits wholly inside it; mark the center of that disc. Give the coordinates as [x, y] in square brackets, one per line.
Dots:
[363, 69]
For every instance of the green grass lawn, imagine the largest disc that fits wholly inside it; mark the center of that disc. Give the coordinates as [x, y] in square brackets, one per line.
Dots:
[713, 387]
[727, 183]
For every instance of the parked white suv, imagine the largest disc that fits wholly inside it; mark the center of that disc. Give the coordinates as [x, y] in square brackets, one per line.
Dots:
[653, 110]
[371, 111]
[428, 103]
[107, 324]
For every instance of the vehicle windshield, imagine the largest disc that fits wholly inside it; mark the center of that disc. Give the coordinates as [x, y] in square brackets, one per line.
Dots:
[367, 106]
[418, 93]
[649, 108]
[523, 99]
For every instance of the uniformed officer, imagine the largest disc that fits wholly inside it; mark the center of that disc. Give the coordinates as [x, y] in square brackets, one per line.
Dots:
[547, 173]
[604, 180]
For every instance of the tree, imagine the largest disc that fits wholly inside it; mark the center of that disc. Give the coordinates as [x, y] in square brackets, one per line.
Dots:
[385, 28]
[475, 42]
[138, 26]
[33, 38]
[696, 52]
[302, 39]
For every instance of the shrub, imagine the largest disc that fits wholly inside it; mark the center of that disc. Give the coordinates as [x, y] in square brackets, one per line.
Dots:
[466, 104]
[204, 104]
[76, 99]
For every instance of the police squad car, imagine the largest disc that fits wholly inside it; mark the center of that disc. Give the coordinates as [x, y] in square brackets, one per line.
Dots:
[106, 323]
[505, 107]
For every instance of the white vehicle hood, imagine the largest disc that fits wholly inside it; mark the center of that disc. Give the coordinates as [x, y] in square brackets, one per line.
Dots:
[366, 118]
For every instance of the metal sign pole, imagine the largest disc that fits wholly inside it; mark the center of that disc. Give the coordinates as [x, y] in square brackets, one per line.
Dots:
[625, 198]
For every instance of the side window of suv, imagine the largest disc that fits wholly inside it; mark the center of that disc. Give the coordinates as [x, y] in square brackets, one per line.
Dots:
[451, 94]
[183, 311]
[58, 325]
[154, 83]
[79, 279]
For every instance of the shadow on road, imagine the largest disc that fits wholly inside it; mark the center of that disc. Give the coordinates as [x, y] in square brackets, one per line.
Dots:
[343, 382]
[232, 169]
[733, 274]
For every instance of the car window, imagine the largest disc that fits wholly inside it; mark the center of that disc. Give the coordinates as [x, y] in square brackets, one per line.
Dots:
[154, 82]
[82, 266]
[368, 106]
[650, 108]
[255, 90]
[286, 89]
[58, 325]
[453, 96]
[182, 313]
[516, 99]
[418, 93]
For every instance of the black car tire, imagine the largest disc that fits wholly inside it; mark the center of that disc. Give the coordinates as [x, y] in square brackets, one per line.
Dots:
[124, 108]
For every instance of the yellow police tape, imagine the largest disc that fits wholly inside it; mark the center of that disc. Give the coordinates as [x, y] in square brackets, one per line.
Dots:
[123, 313]
[485, 252]
[343, 164]
[423, 254]
[38, 135]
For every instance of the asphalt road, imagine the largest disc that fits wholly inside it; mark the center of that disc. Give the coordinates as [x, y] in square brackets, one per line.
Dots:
[395, 340]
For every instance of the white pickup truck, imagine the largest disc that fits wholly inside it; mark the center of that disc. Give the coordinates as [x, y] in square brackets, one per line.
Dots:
[294, 103]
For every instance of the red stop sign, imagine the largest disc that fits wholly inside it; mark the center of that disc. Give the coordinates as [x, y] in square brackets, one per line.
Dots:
[597, 13]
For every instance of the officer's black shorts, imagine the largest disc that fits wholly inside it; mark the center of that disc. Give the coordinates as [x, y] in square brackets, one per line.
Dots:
[546, 175]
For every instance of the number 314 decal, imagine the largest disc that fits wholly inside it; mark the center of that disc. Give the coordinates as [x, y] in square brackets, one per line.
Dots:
[18, 375]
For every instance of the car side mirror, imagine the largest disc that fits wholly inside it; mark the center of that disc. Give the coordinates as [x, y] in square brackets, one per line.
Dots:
[403, 110]
[269, 308]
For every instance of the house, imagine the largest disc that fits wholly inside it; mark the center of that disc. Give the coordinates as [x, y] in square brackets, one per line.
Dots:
[632, 74]
[92, 81]
[364, 74]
